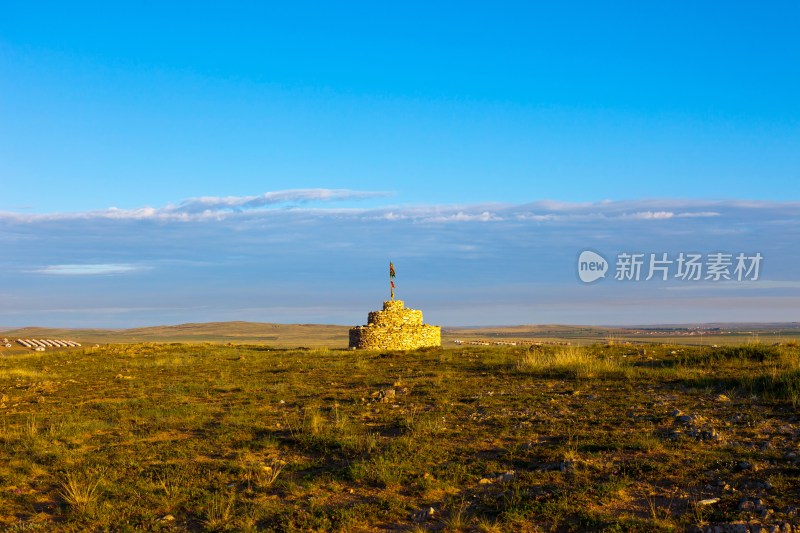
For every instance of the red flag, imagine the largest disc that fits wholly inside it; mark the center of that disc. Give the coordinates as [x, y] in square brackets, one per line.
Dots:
[392, 282]
[391, 270]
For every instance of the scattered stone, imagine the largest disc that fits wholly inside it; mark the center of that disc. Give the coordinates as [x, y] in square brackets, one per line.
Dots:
[508, 476]
[424, 514]
[499, 478]
[167, 518]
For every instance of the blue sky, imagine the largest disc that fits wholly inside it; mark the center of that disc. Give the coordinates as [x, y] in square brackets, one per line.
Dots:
[252, 161]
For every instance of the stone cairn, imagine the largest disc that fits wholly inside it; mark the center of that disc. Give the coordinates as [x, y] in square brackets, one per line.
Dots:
[395, 327]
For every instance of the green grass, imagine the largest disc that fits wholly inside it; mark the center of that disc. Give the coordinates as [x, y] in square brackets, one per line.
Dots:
[204, 437]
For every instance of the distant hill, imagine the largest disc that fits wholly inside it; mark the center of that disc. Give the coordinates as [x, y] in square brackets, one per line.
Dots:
[325, 335]
[291, 335]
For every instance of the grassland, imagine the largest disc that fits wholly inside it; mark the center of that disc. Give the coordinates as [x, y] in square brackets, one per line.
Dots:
[173, 437]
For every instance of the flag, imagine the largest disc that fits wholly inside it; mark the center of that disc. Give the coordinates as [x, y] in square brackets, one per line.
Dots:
[391, 278]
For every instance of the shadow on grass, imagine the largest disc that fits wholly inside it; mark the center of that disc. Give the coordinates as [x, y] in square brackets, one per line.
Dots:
[779, 385]
[749, 353]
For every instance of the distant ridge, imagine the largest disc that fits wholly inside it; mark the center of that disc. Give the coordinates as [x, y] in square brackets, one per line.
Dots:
[335, 336]
[292, 335]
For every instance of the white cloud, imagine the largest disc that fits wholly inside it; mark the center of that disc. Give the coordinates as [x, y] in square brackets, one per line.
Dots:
[206, 204]
[649, 215]
[461, 216]
[297, 202]
[88, 269]
[222, 261]
[210, 207]
[699, 214]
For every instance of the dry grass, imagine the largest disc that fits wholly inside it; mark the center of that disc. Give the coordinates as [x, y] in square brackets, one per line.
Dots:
[80, 493]
[209, 437]
[579, 362]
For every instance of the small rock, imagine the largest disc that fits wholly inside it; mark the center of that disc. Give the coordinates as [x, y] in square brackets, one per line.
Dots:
[424, 514]
[386, 396]
[746, 505]
[167, 518]
[709, 501]
[508, 476]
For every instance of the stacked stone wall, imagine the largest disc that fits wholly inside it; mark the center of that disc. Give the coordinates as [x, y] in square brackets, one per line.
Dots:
[395, 328]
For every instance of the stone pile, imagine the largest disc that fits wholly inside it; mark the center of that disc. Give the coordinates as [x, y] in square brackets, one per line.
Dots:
[395, 328]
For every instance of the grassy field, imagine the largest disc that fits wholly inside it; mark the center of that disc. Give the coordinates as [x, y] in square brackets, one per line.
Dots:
[163, 437]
